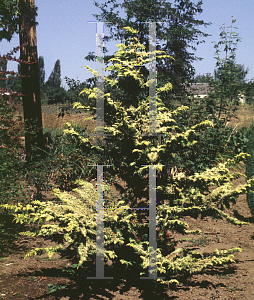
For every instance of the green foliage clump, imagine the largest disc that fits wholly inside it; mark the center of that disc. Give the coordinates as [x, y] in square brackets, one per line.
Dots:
[11, 164]
[68, 159]
[220, 141]
[249, 165]
[74, 89]
[72, 219]
[229, 77]
[10, 12]
[65, 161]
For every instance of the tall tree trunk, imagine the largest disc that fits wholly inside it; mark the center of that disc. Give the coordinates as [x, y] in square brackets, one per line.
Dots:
[31, 84]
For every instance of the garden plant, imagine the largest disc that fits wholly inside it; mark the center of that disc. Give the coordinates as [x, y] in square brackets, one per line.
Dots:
[71, 220]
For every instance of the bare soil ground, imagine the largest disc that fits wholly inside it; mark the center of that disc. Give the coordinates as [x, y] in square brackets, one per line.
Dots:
[43, 278]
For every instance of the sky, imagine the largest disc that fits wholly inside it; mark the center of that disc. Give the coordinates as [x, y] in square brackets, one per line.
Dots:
[64, 33]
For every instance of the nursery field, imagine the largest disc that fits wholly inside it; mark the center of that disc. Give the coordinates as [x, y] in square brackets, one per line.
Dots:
[160, 206]
[244, 117]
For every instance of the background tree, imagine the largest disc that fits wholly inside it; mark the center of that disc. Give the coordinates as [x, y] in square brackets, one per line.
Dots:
[229, 77]
[54, 79]
[14, 81]
[74, 89]
[9, 18]
[228, 81]
[3, 68]
[177, 32]
[249, 92]
[44, 98]
[41, 72]
[222, 140]
[53, 88]
[203, 78]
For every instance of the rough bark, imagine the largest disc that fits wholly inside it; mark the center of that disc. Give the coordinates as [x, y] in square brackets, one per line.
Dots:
[31, 84]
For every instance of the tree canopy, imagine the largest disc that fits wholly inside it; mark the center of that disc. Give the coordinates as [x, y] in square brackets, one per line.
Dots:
[229, 77]
[177, 32]
[10, 14]
[52, 87]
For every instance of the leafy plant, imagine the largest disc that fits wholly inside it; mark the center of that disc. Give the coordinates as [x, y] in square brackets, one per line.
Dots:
[221, 141]
[32, 278]
[11, 156]
[228, 276]
[204, 241]
[54, 287]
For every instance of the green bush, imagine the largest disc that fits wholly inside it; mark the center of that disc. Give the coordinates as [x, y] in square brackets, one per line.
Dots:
[212, 143]
[221, 141]
[11, 163]
[65, 161]
[216, 143]
[74, 89]
[68, 160]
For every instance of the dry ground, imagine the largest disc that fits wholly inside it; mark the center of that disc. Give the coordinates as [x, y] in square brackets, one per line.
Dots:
[245, 116]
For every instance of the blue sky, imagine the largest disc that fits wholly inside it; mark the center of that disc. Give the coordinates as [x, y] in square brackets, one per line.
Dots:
[64, 33]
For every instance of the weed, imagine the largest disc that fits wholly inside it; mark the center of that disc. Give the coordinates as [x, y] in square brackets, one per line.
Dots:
[227, 276]
[203, 241]
[32, 278]
[72, 271]
[185, 239]
[217, 239]
[54, 287]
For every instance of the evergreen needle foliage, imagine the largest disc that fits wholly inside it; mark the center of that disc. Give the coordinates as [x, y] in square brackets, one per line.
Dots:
[73, 218]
